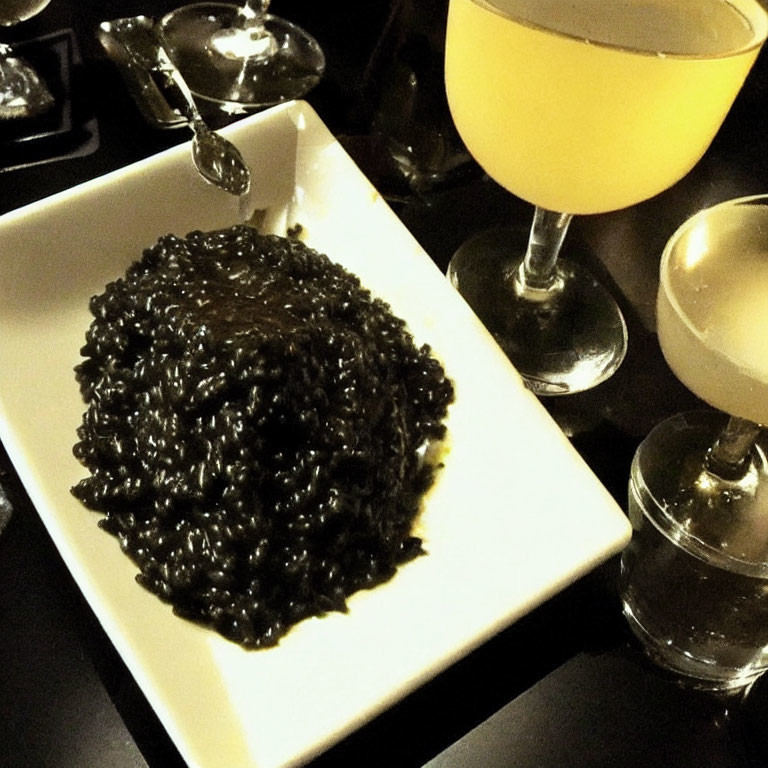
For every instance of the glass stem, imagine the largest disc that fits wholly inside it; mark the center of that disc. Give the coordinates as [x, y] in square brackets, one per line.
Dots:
[537, 278]
[251, 15]
[729, 457]
[253, 8]
[255, 42]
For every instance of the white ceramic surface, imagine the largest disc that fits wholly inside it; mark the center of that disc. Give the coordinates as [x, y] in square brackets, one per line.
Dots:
[515, 516]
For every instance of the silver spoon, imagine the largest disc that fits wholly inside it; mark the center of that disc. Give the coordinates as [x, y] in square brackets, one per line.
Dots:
[218, 160]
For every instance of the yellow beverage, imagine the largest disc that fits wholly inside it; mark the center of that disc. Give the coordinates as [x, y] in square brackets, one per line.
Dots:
[712, 310]
[593, 105]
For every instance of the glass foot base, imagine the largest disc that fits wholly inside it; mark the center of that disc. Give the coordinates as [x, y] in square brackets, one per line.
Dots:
[565, 343]
[690, 672]
[694, 577]
[22, 93]
[224, 65]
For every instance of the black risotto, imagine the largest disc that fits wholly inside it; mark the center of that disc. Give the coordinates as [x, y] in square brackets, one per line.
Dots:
[254, 430]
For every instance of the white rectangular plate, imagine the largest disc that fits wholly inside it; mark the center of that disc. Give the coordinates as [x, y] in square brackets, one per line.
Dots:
[515, 516]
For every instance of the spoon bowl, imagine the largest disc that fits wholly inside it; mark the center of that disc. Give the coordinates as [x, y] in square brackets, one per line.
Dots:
[219, 161]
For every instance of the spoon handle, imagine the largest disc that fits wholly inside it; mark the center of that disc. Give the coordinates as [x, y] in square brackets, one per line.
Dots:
[141, 83]
[144, 44]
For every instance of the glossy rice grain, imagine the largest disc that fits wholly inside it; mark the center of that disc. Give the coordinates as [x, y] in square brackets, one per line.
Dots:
[253, 426]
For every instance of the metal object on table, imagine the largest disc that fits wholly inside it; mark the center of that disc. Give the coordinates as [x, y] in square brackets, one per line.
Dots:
[22, 91]
[150, 100]
[217, 159]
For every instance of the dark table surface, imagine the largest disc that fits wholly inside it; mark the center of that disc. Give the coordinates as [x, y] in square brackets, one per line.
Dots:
[564, 686]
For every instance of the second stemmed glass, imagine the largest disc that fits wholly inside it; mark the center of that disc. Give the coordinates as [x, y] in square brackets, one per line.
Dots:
[694, 579]
[580, 108]
[239, 57]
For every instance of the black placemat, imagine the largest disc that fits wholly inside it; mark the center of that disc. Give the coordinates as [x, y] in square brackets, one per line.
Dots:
[66, 130]
[603, 711]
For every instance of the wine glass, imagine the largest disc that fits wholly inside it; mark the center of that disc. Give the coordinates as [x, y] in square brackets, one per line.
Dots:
[22, 92]
[581, 107]
[240, 58]
[694, 579]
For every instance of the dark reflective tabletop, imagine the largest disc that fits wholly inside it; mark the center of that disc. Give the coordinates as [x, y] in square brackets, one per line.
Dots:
[566, 685]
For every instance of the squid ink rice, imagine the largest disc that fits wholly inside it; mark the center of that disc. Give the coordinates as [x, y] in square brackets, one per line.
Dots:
[252, 432]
